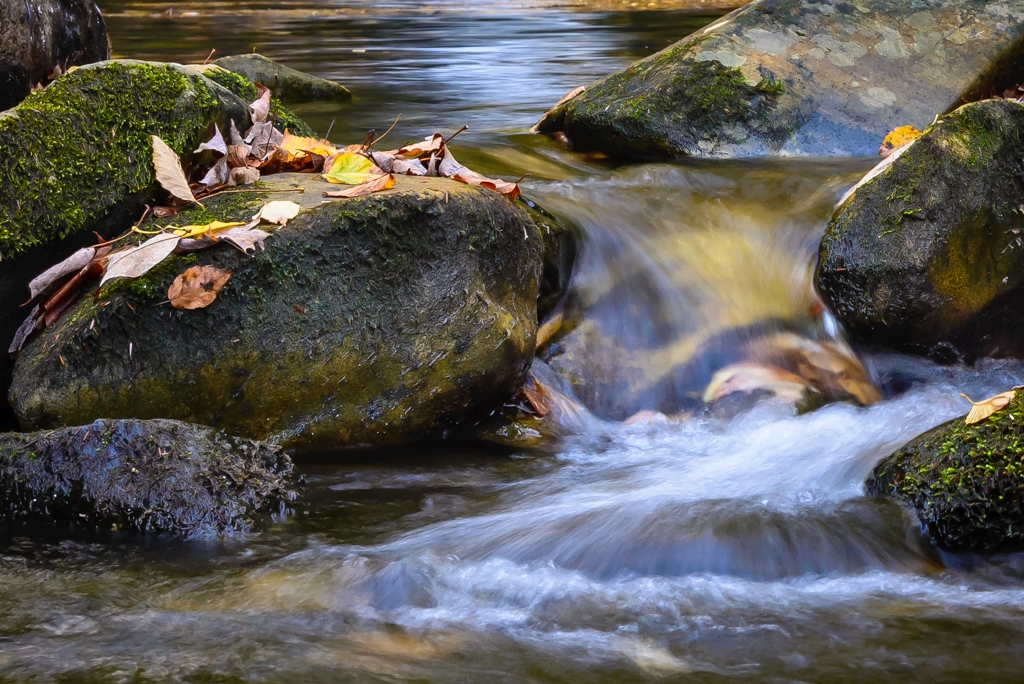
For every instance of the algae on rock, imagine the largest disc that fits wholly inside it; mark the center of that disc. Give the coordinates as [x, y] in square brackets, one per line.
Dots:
[928, 255]
[146, 476]
[964, 482]
[366, 322]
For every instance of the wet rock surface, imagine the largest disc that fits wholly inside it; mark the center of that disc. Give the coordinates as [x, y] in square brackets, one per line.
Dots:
[39, 38]
[147, 476]
[366, 322]
[290, 85]
[799, 77]
[964, 482]
[928, 255]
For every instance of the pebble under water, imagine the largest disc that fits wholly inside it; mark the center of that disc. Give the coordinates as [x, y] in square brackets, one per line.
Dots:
[700, 550]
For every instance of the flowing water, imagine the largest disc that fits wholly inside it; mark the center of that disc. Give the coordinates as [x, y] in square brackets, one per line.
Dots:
[698, 550]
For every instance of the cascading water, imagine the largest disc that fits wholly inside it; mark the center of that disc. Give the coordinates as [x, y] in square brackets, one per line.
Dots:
[690, 548]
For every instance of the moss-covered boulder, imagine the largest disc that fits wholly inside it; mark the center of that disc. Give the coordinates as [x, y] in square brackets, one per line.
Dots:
[799, 77]
[44, 37]
[366, 322]
[928, 254]
[291, 86]
[964, 482]
[282, 117]
[78, 157]
[147, 476]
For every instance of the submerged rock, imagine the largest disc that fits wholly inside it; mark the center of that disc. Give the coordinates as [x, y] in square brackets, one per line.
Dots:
[799, 77]
[41, 39]
[964, 482]
[291, 85]
[927, 255]
[149, 476]
[366, 322]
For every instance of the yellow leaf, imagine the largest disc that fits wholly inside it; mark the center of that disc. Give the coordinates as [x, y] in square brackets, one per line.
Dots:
[196, 231]
[297, 145]
[897, 138]
[351, 169]
[980, 410]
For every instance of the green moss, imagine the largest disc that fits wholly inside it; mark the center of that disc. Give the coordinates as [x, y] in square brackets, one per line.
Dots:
[966, 482]
[283, 117]
[76, 150]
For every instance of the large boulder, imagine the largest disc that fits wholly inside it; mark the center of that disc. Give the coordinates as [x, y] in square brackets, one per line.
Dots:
[366, 322]
[147, 476]
[40, 39]
[799, 77]
[927, 255]
[290, 85]
[965, 483]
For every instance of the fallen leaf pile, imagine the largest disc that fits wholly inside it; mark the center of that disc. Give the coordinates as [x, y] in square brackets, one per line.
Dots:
[220, 163]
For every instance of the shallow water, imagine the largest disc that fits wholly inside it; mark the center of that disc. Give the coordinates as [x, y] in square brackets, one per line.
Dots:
[699, 550]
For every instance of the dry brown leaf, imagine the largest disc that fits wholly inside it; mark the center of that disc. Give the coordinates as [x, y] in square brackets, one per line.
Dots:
[243, 175]
[409, 167]
[897, 138]
[537, 396]
[214, 144]
[980, 410]
[261, 107]
[169, 172]
[450, 168]
[73, 264]
[244, 238]
[377, 184]
[238, 155]
[165, 212]
[136, 261]
[429, 145]
[218, 173]
[197, 287]
[279, 212]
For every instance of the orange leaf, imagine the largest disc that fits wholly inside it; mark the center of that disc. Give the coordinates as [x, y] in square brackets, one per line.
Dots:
[197, 287]
[897, 138]
[374, 185]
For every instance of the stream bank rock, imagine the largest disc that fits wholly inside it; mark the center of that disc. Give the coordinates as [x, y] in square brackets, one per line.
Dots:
[928, 255]
[365, 322]
[964, 482]
[799, 77]
[146, 476]
[41, 37]
[292, 86]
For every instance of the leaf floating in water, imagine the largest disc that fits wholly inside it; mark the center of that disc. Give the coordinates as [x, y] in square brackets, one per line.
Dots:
[374, 185]
[980, 410]
[197, 287]
[136, 261]
[279, 212]
[897, 138]
[169, 172]
[349, 168]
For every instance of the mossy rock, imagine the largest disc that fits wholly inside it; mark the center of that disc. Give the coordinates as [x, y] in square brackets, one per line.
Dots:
[964, 482]
[282, 117]
[366, 322]
[145, 476]
[799, 77]
[292, 86]
[78, 157]
[928, 256]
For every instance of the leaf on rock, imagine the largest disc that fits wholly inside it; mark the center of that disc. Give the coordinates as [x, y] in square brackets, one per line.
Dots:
[449, 168]
[216, 143]
[349, 168]
[236, 137]
[298, 145]
[279, 212]
[980, 410]
[409, 167]
[218, 173]
[897, 138]
[238, 154]
[244, 239]
[263, 137]
[429, 145]
[374, 185]
[197, 287]
[45, 281]
[169, 172]
[243, 175]
[165, 212]
[261, 107]
[190, 232]
[136, 261]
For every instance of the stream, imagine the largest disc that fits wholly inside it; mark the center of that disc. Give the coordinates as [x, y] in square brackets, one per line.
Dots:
[700, 550]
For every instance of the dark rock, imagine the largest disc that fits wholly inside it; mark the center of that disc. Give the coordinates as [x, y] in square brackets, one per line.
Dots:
[928, 255]
[290, 85]
[149, 476]
[37, 38]
[366, 322]
[964, 482]
[799, 77]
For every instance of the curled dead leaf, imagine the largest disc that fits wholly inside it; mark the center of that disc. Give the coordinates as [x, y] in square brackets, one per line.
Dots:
[45, 281]
[980, 410]
[279, 212]
[261, 107]
[168, 171]
[377, 184]
[243, 175]
[197, 287]
[215, 143]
